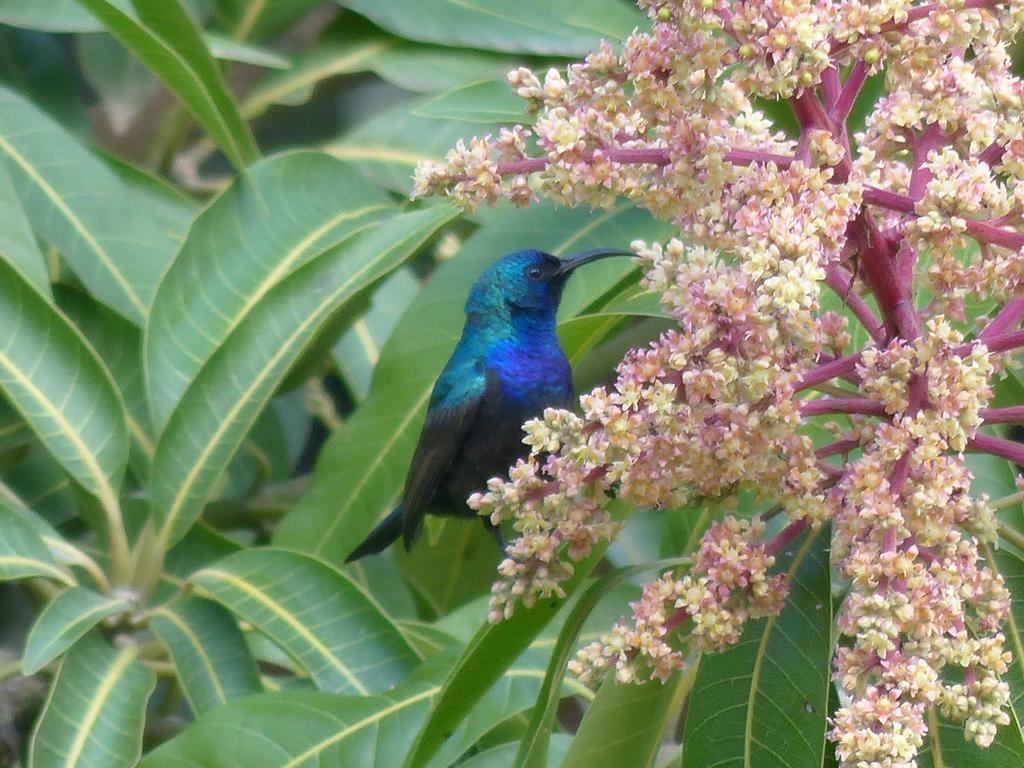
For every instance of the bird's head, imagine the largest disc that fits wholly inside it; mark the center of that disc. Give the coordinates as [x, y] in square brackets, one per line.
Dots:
[529, 282]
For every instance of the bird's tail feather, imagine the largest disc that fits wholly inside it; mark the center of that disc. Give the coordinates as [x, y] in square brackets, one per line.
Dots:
[389, 529]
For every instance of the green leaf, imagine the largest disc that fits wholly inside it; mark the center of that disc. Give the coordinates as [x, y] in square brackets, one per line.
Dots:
[209, 651]
[23, 554]
[67, 617]
[123, 83]
[118, 344]
[492, 650]
[166, 38]
[1011, 567]
[624, 725]
[433, 69]
[489, 101]
[360, 47]
[503, 755]
[527, 26]
[226, 49]
[118, 248]
[946, 747]
[17, 244]
[455, 563]
[534, 745]
[387, 147]
[94, 715]
[513, 694]
[362, 466]
[319, 616]
[62, 391]
[358, 350]
[291, 209]
[764, 701]
[261, 19]
[234, 386]
[51, 16]
[42, 68]
[297, 729]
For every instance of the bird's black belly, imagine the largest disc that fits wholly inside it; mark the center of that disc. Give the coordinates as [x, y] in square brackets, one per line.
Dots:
[493, 444]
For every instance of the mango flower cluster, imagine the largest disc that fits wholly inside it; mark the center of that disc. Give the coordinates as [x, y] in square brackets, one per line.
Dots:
[929, 205]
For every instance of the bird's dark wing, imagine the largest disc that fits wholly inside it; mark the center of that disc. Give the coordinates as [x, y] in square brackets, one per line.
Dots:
[451, 414]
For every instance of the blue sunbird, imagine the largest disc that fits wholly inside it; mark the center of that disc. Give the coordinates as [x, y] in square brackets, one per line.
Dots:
[506, 369]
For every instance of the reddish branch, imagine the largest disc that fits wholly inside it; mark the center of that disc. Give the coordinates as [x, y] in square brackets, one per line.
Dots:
[1009, 316]
[1006, 449]
[841, 281]
[1013, 414]
[786, 536]
[832, 405]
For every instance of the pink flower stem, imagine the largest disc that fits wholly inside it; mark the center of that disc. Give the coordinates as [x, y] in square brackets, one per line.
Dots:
[900, 473]
[886, 199]
[933, 138]
[1007, 317]
[995, 343]
[878, 266]
[786, 536]
[830, 86]
[841, 281]
[830, 370]
[840, 110]
[1012, 414]
[997, 446]
[982, 231]
[992, 154]
[832, 405]
[836, 448]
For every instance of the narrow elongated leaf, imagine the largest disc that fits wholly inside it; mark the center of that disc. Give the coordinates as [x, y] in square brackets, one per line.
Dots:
[623, 726]
[73, 200]
[484, 660]
[513, 694]
[291, 209]
[527, 26]
[119, 345]
[67, 617]
[17, 244]
[23, 553]
[361, 47]
[503, 755]
[213, 662]
[318, 615]
[387, 147]
[533, 749]
[488, 101]
[163, 34]
[363, 465]
[54, 380]
[51, 16]
[224, 400]
[1012, 569]
[358, 350]
[946, 747]
[301, 729]
[764, 701]
[261, 19]
[96, 709]
[226, 49]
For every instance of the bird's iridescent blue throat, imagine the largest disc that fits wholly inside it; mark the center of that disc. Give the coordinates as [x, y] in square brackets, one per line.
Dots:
[507, 368]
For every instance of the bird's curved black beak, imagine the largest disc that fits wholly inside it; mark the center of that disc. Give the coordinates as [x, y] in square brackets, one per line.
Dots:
[569, 263]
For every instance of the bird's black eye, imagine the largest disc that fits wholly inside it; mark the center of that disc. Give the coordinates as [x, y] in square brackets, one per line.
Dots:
[535, 273]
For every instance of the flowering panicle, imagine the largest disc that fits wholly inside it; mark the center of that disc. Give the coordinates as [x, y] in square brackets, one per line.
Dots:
[729, 584]
[927, 200]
